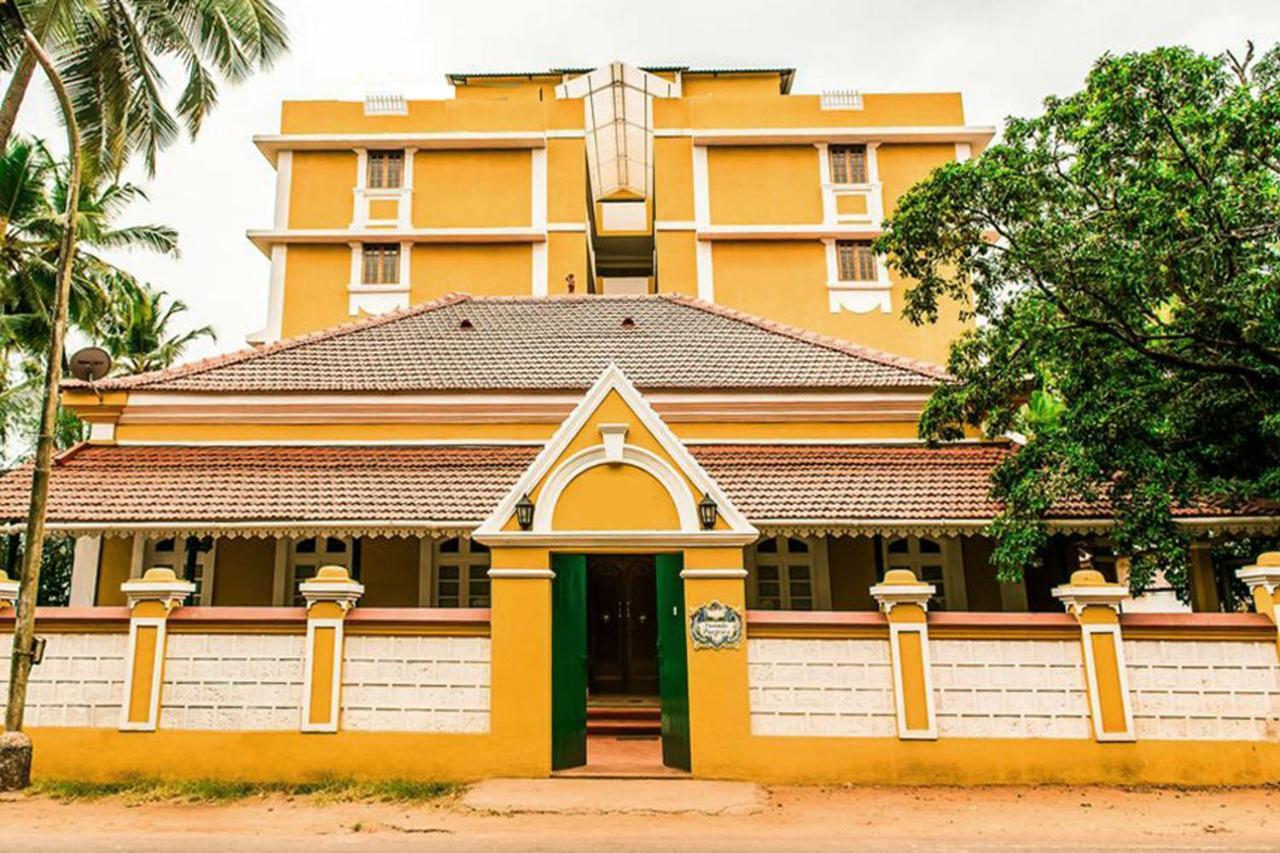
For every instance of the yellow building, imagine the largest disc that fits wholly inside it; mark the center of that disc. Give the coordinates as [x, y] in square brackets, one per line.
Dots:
[448, 520]
[719, 184]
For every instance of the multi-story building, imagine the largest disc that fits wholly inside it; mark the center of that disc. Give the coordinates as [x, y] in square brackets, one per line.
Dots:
[436, 526]
[716, 183]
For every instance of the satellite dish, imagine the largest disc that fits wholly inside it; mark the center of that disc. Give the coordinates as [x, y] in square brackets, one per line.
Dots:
[90, 364]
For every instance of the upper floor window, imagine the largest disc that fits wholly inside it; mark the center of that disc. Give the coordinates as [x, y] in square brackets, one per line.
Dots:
[856, 261]
[462, 573]
[385, 170]
[848, 164]
[381, 263]
[306, 556]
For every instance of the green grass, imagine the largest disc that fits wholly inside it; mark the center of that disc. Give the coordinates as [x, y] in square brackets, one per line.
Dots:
[147, 789]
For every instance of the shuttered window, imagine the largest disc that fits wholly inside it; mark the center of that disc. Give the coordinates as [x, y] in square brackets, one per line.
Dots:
[848, 164]
[385, 170]
[856, 260]
[381, 263]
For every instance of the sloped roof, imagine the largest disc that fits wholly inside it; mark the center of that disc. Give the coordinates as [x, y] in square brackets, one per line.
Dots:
[385, 488]
[468, 343]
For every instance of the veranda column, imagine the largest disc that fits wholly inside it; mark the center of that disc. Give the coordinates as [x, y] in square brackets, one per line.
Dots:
[1263, 580]
[719, 697]
[1096, 606]
[330, 595]
[905, 602]
[151, 598]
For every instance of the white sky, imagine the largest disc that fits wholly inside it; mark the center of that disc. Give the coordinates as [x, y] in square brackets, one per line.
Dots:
[1004, 57]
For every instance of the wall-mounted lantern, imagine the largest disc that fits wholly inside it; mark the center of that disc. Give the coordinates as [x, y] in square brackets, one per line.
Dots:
[707, 510]
[524, 513]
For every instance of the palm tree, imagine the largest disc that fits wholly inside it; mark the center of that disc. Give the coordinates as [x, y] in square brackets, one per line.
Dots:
[109, 53]
[33, 190]
[136, 331]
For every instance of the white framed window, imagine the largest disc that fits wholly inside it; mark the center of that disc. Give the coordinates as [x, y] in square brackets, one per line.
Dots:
[461, 568]
[788, 573]
[190, 557]
[380, 263]
[384, 170]
[848, 164]
[855, 261]
[933, 560]
[306, 556]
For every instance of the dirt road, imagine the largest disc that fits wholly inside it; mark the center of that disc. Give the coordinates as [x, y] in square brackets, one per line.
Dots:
[791, 818]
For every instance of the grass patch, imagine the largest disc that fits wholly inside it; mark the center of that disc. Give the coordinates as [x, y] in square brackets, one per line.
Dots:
[147, 789]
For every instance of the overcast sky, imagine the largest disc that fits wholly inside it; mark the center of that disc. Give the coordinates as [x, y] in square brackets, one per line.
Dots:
[1004, 57]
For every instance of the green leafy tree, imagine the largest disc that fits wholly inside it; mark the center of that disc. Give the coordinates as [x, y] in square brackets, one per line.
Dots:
[1122, 251]
[110, 53]
[137, 329]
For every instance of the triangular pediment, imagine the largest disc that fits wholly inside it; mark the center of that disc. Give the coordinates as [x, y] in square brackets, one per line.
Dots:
[615, 473]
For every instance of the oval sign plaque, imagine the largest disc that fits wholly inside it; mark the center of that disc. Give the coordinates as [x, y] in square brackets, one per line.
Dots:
[715, 626]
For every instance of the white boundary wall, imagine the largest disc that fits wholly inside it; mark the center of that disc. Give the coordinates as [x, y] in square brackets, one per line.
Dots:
[237, 682]
[416, 684]
[79, 684]
[832, 688]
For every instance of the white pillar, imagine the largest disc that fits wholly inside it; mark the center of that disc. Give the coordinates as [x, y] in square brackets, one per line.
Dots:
[84, 571]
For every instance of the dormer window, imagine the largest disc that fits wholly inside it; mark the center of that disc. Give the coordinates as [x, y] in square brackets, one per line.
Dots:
[856, 261]
[848, 164]
[381, 263]
[385, 170]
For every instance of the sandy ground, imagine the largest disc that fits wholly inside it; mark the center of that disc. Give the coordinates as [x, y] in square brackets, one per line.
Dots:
[792, 818]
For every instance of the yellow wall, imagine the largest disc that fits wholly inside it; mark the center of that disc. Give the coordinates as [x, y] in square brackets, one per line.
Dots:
[244, 572]
[566, 253]
[480, 269]
[851, 563]
[472, 189]
[764, 185]
[566, 181]
[389, 571]
[755, 85]
[114, 562]
[594, 499]
[320, 189]
[677, 262]
[315, 290]
[673, 178]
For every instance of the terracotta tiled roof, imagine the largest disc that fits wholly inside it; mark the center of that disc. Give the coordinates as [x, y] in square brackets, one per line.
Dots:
[837, 483]
[431, 485]
[267, 484]
[462, 342]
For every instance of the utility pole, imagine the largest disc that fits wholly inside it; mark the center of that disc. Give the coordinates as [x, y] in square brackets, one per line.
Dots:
[15, 746]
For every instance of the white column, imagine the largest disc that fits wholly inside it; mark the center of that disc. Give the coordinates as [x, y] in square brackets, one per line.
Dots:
[84, 571]
[538, 218]
[702, 219]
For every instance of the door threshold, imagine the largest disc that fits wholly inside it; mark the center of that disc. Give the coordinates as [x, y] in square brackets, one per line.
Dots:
[640, 772]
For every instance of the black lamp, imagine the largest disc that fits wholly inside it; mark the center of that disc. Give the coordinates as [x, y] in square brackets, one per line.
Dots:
[707, 510]
[524, 513]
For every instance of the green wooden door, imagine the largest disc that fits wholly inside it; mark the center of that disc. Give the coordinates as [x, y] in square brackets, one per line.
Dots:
[568, 661]
[673, 666]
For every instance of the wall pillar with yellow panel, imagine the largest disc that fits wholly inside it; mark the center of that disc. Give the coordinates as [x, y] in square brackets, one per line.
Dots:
[151, 599]
[520, 679]
[719, 707]
[8, 592]
[330, 595]
[905, 602]
[1263, 580]
[1096, 606]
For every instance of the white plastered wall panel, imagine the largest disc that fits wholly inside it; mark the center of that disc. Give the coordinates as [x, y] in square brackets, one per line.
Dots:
[80, 683]
[822, 688]
[1010, 689]
[416, 684]
[233, 682]
[1204, 689]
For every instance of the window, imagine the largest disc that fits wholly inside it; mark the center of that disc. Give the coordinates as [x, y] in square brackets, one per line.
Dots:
[190, 557]
[932, 561]
[789, 573]
[848, 164]
[381, 263]
[462, 573]
[306, 556]
[385, 170]
[856, 261]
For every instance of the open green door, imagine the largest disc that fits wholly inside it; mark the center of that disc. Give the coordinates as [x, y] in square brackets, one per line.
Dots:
[568, 661]
[673, 666]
